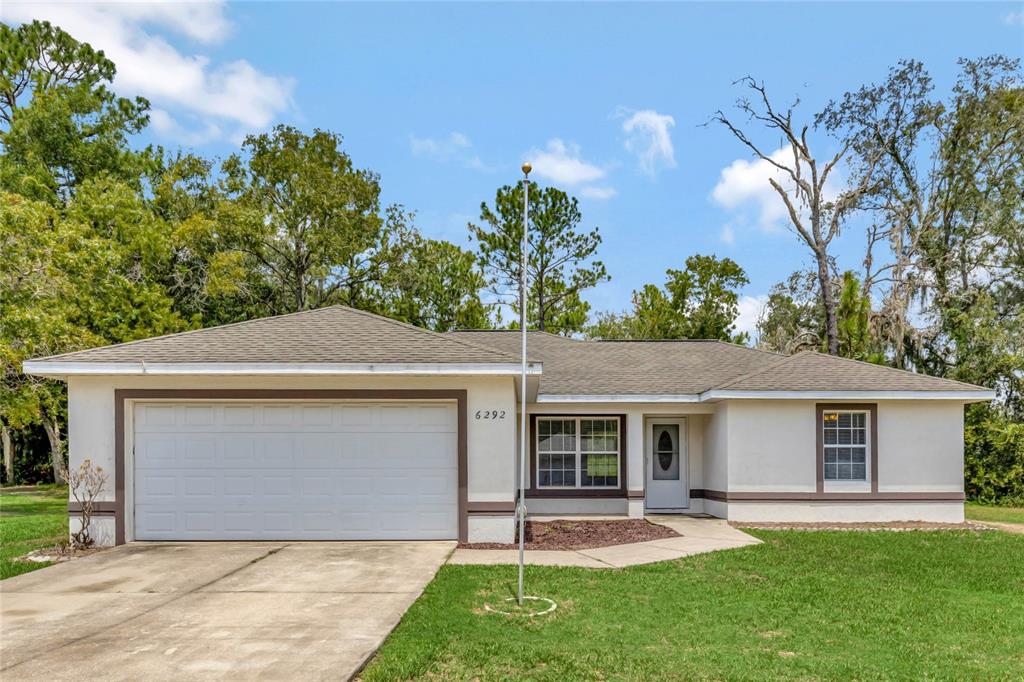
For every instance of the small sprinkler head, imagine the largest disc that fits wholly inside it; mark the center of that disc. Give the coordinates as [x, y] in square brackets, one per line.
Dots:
[527, 168]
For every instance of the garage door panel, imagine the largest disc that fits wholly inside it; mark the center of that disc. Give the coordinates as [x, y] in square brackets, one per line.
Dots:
[317, 415]
[238, 451]
[277, 415]
[199, 487]
[199, 415]
[317, 471]
[196, 453]
[155, 486]
[239, 415]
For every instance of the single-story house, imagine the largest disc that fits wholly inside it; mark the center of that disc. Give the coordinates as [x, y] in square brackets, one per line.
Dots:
[336, 424]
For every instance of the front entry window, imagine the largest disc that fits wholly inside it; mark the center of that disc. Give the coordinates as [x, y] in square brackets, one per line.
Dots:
[556, 453]
[666, 452]
[578, 452]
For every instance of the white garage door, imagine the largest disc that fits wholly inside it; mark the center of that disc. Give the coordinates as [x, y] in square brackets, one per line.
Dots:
[290, 471]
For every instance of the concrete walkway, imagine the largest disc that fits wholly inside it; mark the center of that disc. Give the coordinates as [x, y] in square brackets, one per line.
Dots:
[698, 535]
[211, 611]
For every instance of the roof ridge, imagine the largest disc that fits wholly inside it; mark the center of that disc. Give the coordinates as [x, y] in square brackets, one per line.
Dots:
[431, 332]
[754, 348]
[743, 377]
[895, 369]
[239, 323]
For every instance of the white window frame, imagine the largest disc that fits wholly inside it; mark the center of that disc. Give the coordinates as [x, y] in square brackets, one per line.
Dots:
[868, 446]
[578, 451]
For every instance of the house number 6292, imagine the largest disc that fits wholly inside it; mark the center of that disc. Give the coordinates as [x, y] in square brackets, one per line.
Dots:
[490, 414]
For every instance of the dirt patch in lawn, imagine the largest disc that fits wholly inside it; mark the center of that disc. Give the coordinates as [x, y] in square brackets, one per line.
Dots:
[891, 525]
[554, 535]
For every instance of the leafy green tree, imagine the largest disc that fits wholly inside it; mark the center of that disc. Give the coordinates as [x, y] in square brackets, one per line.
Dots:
[993, 456]
[210, 282]
[856, 337]
[305, 216]
[790, 320]
[34, 317]
[61, 124]
[435, 285]
[698, 302]
[949, 188]
[562, 258]
[706, 293]
[949, 204]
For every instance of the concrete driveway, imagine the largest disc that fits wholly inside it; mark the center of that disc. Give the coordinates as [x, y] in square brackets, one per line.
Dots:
[226, 610]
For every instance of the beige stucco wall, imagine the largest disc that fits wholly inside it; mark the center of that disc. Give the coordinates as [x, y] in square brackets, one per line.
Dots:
[772, 446]
[733, 446]
[716, 450]
[490, 442]
[920, 446]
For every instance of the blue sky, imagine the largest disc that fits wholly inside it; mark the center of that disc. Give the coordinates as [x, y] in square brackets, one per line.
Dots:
[608, 101]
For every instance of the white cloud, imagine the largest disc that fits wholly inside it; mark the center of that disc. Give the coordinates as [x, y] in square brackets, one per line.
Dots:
[728, 235]
[750, 308]
[648, 138]
[744, 184]
[1014, 19]
[594, 192]
[455, 147]
[168, 126]
[561, 163]
[233, 94]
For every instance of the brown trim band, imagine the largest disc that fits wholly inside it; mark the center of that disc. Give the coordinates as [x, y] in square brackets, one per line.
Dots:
[819, 468]
[491, 507]
[98, 508]
[910, 496]
[122, 395]
[703, 494]
[562, 493]
[635, 494]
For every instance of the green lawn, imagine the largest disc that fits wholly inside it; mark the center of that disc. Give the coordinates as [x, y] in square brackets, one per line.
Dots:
[807, 605]
[981, 512]
[30, 518]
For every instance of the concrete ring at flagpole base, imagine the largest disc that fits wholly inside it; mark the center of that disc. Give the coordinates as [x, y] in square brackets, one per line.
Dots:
[530, 614]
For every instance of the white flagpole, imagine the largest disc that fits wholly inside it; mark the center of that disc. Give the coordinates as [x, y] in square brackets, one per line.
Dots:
[521, 506]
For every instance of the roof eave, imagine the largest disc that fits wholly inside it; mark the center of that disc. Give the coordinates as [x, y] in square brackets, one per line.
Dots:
[63, 369]
[956, 394]
[718, 395]
[619, 398]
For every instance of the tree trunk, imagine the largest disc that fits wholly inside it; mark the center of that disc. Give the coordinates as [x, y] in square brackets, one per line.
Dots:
[56, 448]
[828, 301]
[8, 448]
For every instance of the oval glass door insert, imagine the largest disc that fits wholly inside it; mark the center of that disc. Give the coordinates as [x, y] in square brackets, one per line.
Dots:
[666, 452]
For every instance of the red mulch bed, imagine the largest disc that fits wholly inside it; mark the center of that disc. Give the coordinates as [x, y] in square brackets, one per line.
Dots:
[582, 534]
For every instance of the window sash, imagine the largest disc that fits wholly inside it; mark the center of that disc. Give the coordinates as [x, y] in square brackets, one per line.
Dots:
[594, 440]
[846, 446]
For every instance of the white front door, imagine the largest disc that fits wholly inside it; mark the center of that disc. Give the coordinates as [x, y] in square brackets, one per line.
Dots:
[295, 471]
[667, 465]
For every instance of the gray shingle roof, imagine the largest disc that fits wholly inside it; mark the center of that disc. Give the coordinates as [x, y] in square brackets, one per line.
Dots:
[337, 334]
[573, 367]
[342, 335]
[810, 371]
